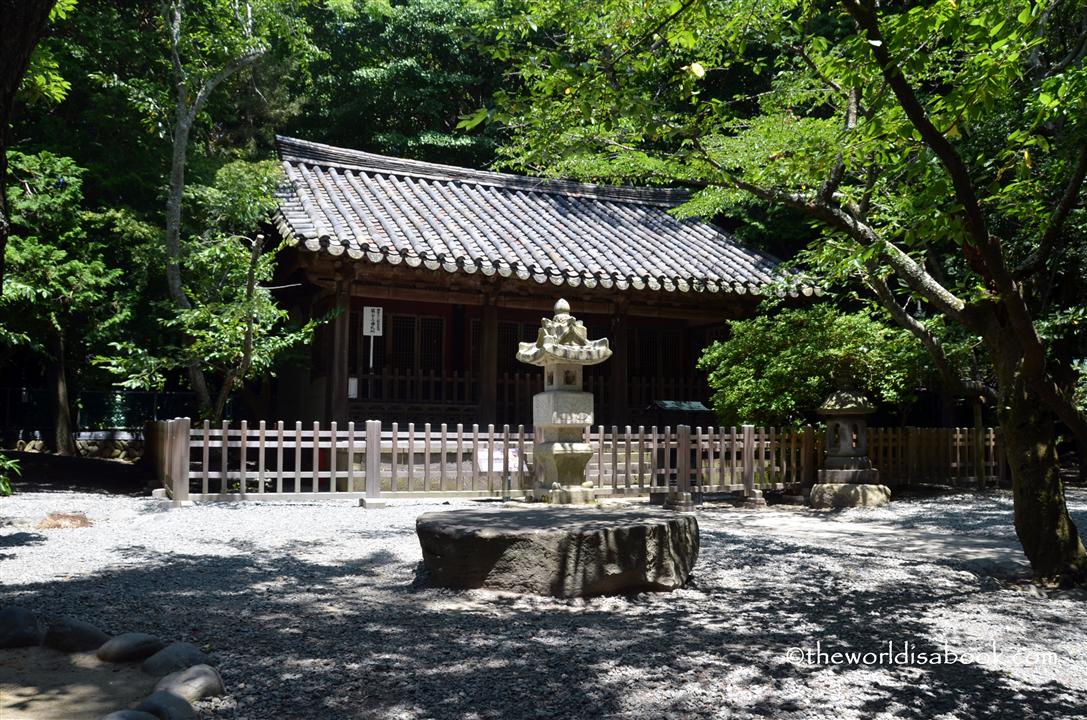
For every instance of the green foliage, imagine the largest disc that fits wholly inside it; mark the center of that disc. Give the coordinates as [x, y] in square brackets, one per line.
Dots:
[226, 270]
[58, 277]
[776, 369]
[394, 78]
[749, 100]
[9, 468]
[43, 82]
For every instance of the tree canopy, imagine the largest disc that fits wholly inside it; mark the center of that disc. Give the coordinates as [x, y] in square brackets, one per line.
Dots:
[940, 150]
[776, 369]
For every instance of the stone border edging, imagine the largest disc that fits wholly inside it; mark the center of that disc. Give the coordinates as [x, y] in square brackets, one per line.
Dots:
[184, 670]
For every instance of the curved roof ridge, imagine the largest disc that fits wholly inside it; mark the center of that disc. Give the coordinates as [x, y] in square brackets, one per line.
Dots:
[308, 152]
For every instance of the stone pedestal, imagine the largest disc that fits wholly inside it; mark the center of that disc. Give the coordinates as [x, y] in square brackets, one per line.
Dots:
[560, 417]
[846, 495]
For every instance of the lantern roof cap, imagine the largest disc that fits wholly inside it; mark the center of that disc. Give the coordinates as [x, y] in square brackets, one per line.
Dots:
[563, 339]
[846, 401]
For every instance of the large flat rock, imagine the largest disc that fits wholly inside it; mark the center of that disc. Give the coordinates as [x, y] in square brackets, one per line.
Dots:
[560, 551]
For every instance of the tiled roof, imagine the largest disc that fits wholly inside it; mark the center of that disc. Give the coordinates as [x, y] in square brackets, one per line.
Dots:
[442, 217]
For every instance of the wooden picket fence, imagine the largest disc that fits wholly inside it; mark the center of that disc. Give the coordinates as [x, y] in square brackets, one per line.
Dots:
[309, 461]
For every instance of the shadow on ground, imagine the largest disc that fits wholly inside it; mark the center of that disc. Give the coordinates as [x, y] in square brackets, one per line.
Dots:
[297, 639]
[44, 472]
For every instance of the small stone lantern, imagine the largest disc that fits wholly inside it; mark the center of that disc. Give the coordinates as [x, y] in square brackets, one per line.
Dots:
[847, 478]
[563, 410]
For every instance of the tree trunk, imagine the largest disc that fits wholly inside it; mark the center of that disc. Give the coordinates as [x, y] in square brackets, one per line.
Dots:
[979, 444]
[173, 209]
[173, 245]
[63, 436]
[24, 23]
[1048, 535]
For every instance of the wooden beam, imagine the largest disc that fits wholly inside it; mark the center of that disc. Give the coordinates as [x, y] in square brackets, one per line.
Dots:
[384, 281]
[488, 361]
[337, 382]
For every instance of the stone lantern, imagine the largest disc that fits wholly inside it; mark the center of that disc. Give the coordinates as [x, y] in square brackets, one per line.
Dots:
[563, 411]
[848, 478]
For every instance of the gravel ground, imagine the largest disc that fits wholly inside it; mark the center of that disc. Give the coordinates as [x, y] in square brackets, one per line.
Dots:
[310, 611]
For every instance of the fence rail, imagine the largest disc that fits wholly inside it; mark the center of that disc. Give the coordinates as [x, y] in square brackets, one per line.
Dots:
[244, 461]
[454, 396]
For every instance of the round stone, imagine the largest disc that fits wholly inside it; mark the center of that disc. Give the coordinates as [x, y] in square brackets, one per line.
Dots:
[175, 656]
[71, 635]
[193, 683]
[167, 706]
[559, 551]
[129, 647]
[18, 628]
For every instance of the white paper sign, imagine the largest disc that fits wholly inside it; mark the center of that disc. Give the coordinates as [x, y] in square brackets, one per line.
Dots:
[510, 459]
[373, 321]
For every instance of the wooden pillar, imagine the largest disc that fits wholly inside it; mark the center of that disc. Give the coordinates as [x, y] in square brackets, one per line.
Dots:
[337, 376]
[618, 367]
[488, 361]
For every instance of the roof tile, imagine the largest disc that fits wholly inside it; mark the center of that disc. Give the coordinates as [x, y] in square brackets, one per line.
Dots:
[553, 231]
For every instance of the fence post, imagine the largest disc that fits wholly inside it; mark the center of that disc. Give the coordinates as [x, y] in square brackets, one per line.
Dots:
[751, 495]
[683, 458]
[373, 465]
[679, 499]
[179, 459]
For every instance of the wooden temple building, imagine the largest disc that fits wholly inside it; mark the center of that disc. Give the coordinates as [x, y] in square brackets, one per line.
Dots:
[438, 272]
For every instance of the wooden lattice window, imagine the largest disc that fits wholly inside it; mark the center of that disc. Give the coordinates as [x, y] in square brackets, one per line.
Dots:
[415, 343]
[431, 344]
[400, 352]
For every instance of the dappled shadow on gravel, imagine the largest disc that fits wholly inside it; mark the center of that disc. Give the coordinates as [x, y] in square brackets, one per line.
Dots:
[43, 472]
[18, 539]
[297, 638]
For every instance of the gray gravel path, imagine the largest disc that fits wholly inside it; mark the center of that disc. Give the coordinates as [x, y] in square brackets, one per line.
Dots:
[310, 612]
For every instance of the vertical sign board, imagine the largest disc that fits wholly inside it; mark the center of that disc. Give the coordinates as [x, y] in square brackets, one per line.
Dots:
[373, 325]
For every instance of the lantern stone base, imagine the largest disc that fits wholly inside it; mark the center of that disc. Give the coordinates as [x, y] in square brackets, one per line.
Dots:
[564, 494]
[846, 495]
[562, 453]
[853, 476]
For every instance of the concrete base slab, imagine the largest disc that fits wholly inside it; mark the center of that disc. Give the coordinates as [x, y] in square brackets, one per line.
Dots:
[559, 551]
[371, 503]
[845, 495]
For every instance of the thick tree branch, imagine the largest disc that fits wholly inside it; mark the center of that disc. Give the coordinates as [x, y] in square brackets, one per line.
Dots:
[956, 384]
[1048, 244]
[837, 173]
[181, 78]
[229, 69]
[985, 254]
[864, 15]
[912, 272]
